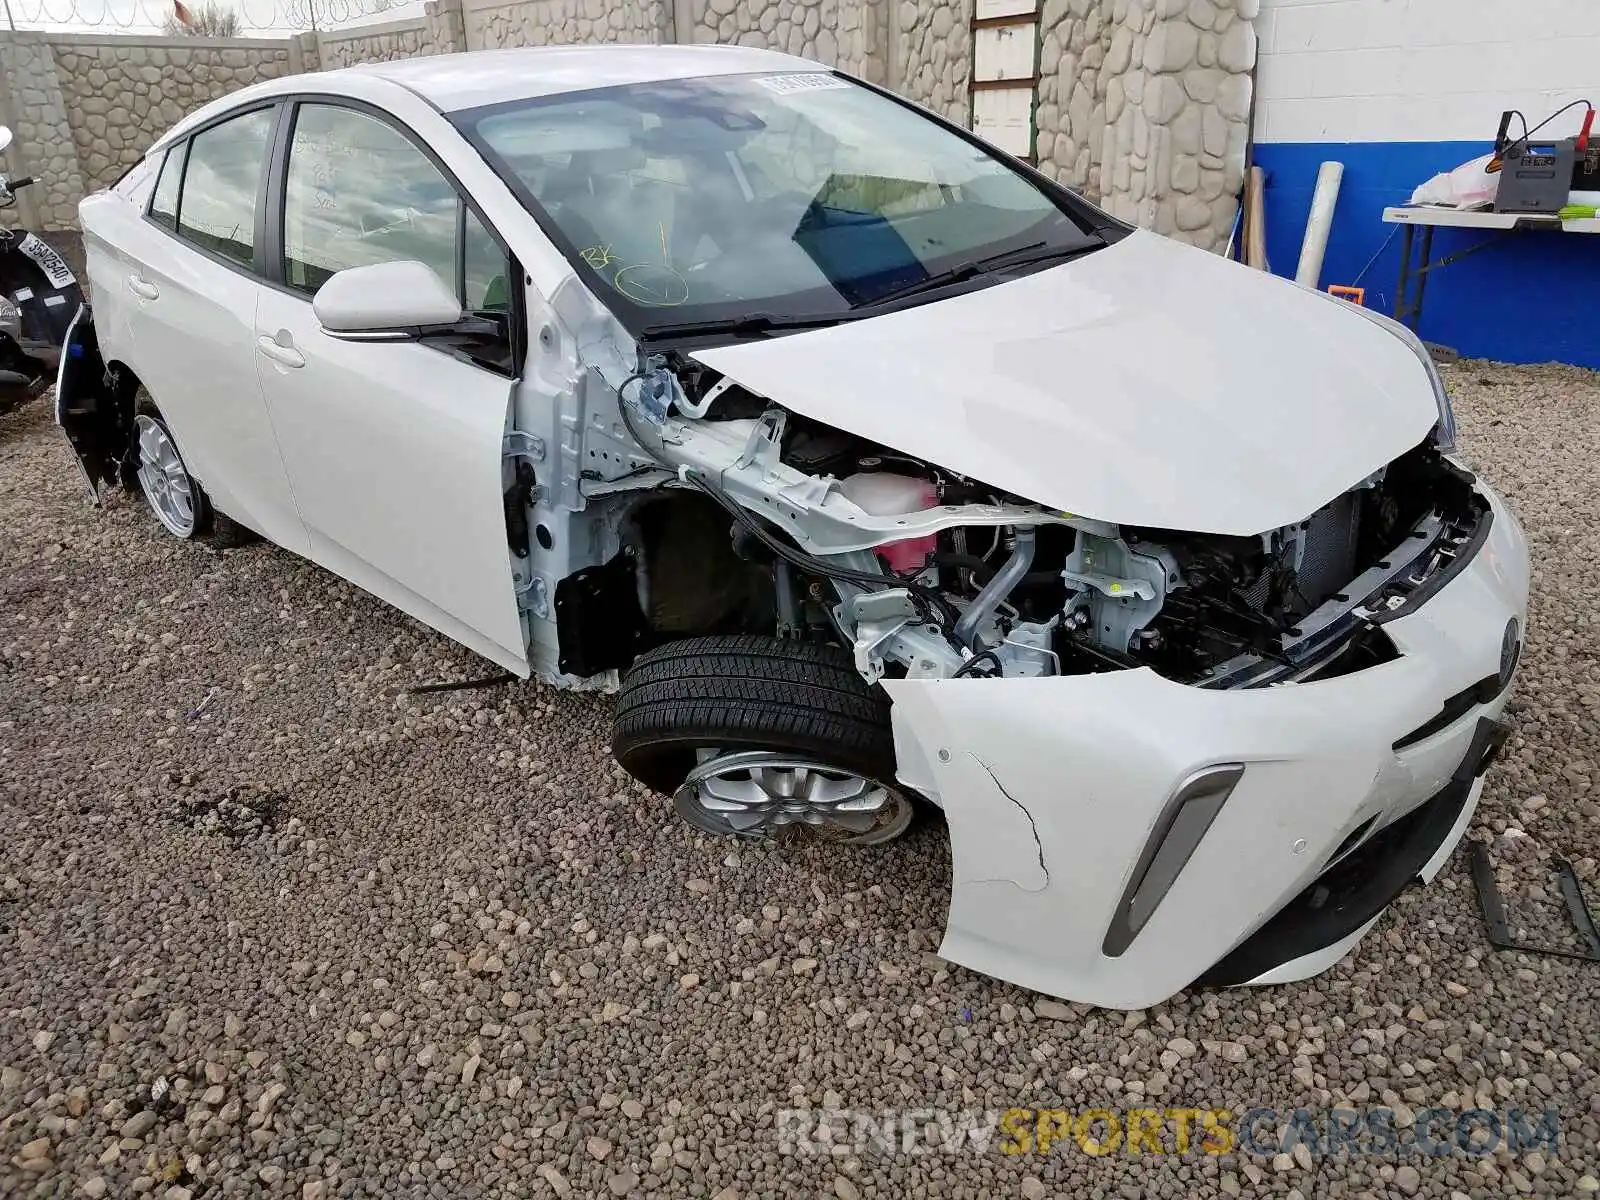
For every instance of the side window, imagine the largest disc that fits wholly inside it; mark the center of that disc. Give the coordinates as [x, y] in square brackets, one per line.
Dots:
[217, 208]
[164, 203]
[486, 269]
[360, 193]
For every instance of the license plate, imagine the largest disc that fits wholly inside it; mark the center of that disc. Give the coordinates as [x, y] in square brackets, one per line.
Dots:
[52, 264]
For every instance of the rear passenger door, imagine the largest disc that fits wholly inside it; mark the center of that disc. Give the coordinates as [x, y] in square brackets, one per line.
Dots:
[179, 306]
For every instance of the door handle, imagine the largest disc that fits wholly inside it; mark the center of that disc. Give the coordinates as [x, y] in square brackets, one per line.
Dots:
[141, 289]
[284, 356]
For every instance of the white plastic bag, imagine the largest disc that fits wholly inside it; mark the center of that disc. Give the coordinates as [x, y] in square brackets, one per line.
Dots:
[1468, 186]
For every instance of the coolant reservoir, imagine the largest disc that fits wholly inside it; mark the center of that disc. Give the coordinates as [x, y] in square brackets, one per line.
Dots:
[885, 494]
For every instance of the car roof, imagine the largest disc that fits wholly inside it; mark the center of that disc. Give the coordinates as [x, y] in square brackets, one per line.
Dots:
[471, 79]
[451, 82]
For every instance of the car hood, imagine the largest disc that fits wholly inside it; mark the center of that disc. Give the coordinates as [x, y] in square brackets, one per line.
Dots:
[1148, 383]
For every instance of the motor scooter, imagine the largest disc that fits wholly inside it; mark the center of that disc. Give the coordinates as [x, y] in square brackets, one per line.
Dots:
[39, 296]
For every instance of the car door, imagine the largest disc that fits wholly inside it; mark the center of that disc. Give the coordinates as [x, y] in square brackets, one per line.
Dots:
[394, 449]
[175, 290]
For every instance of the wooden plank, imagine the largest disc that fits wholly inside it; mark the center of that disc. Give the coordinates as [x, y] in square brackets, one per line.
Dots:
[985, 9]
[1004, 85]
[1255, 246]
[1005, 22]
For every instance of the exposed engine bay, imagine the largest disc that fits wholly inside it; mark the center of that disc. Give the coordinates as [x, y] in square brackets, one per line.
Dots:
[923, 573]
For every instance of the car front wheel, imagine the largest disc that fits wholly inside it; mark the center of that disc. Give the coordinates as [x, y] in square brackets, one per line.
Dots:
[757, 737]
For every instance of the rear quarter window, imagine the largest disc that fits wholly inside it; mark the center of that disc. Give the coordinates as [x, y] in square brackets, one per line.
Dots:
[136, 181]
[164, 204]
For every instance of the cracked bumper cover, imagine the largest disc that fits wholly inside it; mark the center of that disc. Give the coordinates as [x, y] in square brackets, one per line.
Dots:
[1052, 787]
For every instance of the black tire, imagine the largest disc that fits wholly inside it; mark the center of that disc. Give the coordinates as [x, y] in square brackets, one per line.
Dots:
[144, 406]
[210, 526]
[748, 692]
[228, 534]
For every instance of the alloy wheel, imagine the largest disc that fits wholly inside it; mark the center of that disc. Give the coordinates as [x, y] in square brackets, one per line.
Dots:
[757, 794]
[162, 478]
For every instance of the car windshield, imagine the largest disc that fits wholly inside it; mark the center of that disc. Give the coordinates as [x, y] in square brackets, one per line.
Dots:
[785, 195]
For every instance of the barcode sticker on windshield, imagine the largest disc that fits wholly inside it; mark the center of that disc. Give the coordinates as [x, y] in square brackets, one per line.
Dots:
[811, 81]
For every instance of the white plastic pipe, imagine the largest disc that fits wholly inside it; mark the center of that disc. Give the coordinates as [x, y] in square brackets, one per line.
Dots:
[1319, 225]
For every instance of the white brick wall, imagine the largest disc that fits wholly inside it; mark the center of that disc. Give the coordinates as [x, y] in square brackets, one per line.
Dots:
[1420, 70]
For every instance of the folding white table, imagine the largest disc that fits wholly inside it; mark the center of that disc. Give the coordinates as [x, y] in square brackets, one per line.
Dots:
[1408, 308]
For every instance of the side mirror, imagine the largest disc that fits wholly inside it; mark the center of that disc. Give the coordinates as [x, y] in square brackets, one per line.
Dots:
[385, 300]
[5, 137]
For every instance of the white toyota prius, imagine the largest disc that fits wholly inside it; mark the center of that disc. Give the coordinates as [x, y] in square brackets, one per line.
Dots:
[872, 467]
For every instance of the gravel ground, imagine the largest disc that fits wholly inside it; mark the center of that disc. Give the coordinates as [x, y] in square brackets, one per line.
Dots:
[270, 926]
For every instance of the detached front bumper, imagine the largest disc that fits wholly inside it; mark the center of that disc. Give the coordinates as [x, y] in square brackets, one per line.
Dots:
[1060, 795]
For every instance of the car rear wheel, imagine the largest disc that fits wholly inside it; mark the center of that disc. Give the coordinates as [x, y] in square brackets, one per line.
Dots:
[177, 500]
[758, 737]
[175, 496]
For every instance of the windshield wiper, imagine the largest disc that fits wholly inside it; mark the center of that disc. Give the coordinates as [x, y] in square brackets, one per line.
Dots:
[1021, 256]
[745, 326]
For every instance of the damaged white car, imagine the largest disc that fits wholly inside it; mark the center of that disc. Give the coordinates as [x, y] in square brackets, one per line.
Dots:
[870, 465]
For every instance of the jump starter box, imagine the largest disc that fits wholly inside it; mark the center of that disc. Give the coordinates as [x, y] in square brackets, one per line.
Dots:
[1539, 176]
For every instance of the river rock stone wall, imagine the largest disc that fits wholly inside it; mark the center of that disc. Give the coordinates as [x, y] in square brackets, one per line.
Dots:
[447, 29]
[567, 22]
[440, 29]
[1143, 104]
[121, 93]
[31, 104]
[842, 33]
[376, 43]
[932, 49]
